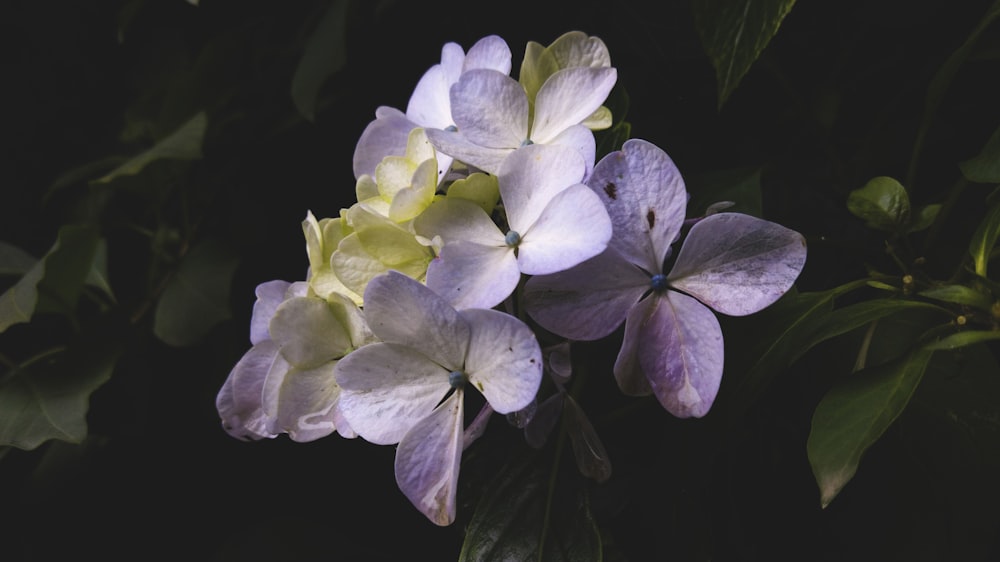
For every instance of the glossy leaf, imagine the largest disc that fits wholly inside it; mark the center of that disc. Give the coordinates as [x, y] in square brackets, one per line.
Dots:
[734, 34]
[325, 54]
[183, 144]
[511, 516]
[984, 239]
[197, 296]
[854, 414]
[882, 203]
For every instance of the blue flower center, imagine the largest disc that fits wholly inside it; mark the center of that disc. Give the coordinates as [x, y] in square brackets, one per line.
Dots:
[451, 128]
[527, 142]
[659, 282]
[512, 238]
[457, 379]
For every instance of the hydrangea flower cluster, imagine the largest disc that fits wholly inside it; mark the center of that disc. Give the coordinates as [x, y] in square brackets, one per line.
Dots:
[480, 212]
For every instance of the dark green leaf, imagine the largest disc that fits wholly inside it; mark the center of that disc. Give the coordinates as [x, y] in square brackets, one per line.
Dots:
[924, 217]
[740, 186]
[183, 144]
[324, 56]
[959, 294]
[734, 34]
[882, 203]
[984, 239]
[197, 297]
[962, 339]
[14, 260]
[854, 316]
[48, 397]
[854, 414]
[511, 516]
[985, 167]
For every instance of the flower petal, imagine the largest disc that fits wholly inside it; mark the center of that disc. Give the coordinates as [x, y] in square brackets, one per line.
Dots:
[581, 139]
[490, 108]
[573, 227]
[429, 104]
[239, 399]
[628, 371]
[406, 312]
[681, 351]
[308, 332]
[646, 199]
[504, 360]
[451, 144]
[471, 275]
[589, 301]
[568, 97]
[428, 460]
[738, 264]
[269, 295]
[456, 220]
[304, 403]
[386, 389]
[489, 52]
[531, 176]
[384, 136]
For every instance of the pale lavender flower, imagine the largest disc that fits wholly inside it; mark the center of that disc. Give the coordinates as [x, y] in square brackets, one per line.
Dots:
[731, 263]
[409, 388]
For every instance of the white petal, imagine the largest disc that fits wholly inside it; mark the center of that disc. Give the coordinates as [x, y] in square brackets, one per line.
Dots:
[385, 136]
[573, 227]
[646, 199]
[531, 176]
[456, 220]
[305, 405]
[738, 264]
[581, 139]
[308, 332]
[455, 145]
[428, 460]
[586, 302]
[269, 296]
[568, 97]
[489, 52]
[490, 109]
[403, 311]
[471, 275]
[429, 105]
[386, 389]
[504, 361]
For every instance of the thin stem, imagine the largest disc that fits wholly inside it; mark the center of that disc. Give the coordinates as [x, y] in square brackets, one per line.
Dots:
[866, 343]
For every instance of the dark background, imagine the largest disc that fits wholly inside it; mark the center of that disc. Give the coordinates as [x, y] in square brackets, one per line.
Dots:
[836, 98]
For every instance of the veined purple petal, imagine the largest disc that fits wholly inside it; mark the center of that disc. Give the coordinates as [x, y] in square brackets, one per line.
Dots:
[471, 275]
[504, 360]
[239, 399]
[269, 295]
[568, 97]
[589, 301]
[387, 388]
[646, 199]
[681, 351]
[628, 371]
[428, 460]
[404, 311]
[738, 264]
[531, 176]
[490, 108]
[572, 228]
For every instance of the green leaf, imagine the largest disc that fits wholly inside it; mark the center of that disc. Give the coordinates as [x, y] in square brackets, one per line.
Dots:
[985, 237]
[509, 519]
[735, 33]
[924, 217]
[197, 296]
[14, 260]
[740, 186]
[985, 167]
[53, 283]
[47, 397]
[959, 294]
[882, 203]
[854, 414]
[324, 56]
[962, 339]
[854, 316]
[183, 144]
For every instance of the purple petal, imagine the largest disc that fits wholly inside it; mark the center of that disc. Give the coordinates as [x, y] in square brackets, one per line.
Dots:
[239, 399]
[586, 302]
[532, 176]
[573, 227]
[544, 421]
[386, 389]
[456, 145]
[568, 97]
[269, 295]
[490, 108]
[580, 139]
[681, 351]
[385, 136]
[429, 104]
[646, 199]
[489, 52]
[428, 460]
[404, 311]
[738, 264]
[628, 372]
[304, 405]
[471, 275]
[504, 360]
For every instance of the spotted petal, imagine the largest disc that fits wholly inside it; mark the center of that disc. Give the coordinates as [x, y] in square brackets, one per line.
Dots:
[428, 460]
[738, 264]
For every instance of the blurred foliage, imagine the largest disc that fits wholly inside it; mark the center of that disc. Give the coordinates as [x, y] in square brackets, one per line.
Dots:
[160, 155]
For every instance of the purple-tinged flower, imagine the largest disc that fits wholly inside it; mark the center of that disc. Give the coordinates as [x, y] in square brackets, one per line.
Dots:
[731, 263]
[409, 388]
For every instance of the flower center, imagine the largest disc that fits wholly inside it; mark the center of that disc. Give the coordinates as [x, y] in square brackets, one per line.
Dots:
[527, 142]
[658, 282]
[512, 238]
[457, 379]
[451, 128]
